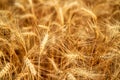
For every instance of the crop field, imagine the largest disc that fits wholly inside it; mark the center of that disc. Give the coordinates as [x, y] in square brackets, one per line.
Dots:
[59, 39]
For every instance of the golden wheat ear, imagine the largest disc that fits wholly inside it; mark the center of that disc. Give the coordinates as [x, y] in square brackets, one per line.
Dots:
[70, 76]
[43, 43]
[30, 66]
[5, 69]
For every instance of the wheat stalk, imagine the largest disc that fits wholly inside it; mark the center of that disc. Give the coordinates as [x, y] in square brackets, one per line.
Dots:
[54, 66]
[1, 53]
[20, 6]
[28, 15]
[89, 12]
[31, 5]
[61, 15]
[44, 27]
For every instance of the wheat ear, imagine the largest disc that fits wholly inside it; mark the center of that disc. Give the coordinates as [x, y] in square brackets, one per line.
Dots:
[30, 66]
[43, 43]
[70, 76]
[5, 70]
[20, 76]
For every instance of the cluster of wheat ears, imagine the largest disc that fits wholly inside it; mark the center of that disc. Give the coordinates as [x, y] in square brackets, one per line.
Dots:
[59, 39]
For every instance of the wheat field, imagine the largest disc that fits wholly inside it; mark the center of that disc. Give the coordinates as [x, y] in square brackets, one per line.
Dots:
[59, 39]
